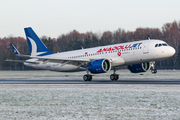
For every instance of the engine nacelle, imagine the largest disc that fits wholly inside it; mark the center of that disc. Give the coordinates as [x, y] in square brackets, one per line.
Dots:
[136, 68]
[99, 66]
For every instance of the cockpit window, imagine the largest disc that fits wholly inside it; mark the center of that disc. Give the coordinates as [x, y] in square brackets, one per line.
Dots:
[161, 44]
[164, 44]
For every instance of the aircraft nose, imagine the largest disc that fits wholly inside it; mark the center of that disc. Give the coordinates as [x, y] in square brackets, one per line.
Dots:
[171, 51]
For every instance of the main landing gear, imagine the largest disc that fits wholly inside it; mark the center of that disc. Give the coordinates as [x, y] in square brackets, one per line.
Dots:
[114, 76]
[87, 77]
[153, 69]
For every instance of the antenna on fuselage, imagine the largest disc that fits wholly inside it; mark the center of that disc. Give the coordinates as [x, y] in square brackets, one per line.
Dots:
[82, 48]
[149, 38]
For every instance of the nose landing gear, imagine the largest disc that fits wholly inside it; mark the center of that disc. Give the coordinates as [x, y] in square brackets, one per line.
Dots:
[153, 69]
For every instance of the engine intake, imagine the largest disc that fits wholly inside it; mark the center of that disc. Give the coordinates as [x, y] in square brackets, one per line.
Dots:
[99, 66]
[136, 68]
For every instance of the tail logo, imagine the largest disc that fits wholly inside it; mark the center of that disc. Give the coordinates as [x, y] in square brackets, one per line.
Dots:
[15, 51]
[34, 48]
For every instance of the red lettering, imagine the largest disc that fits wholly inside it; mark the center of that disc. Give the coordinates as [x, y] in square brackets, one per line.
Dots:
[100, 50]
[109, 49]
[121, 47]
[113, 49]
[116, 47]
[127, 46]
[105, 49]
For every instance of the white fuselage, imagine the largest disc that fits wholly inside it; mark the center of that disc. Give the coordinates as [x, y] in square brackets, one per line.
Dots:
[118, 54]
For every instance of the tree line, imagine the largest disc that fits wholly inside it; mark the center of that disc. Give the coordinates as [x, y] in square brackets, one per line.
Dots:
[170, 33]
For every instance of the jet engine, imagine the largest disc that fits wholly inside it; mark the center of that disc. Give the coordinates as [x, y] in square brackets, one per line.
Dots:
[136, 68]
[99, 66]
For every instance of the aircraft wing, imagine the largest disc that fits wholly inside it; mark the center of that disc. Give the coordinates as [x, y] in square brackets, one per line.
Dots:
[21, 55]
[63, 61]
[23, 61]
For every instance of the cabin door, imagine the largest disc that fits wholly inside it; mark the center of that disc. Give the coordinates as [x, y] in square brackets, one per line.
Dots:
[145, 47]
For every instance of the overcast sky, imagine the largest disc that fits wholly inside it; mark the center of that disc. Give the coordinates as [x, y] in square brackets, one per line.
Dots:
[55, 17]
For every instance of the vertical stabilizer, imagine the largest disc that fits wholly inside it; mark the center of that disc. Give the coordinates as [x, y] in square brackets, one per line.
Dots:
[36, 46]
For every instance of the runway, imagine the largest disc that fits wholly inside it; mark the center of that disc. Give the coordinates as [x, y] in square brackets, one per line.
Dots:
[90, 82]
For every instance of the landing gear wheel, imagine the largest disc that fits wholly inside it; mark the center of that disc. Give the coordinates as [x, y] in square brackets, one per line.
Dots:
[153, 71]
[87, 77]
[114, 77]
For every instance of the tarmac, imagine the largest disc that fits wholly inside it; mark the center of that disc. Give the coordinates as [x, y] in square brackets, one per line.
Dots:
[136, 81]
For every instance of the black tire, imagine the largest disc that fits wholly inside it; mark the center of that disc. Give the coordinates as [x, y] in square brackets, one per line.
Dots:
[112, 77]
[116, 77]
[153, 71]
[90, 77]
[85, 77]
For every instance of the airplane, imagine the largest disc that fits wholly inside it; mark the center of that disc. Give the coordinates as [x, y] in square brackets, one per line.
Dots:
[139, 56]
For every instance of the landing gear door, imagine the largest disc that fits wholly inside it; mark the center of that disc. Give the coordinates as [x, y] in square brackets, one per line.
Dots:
[145, 47]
